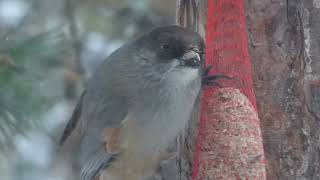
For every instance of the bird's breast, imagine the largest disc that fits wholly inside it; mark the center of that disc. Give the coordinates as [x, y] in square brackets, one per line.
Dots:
[149, 128]
[166, 113]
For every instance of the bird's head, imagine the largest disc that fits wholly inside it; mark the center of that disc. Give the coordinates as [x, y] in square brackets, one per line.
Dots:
[172, 51]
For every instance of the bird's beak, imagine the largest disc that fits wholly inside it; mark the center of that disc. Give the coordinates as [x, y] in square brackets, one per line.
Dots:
[190, 58]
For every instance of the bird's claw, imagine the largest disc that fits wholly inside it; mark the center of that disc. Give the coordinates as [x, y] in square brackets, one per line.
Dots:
[206, 70]
[210, 80]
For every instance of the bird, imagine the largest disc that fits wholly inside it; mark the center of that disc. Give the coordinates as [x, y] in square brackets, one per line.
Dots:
[137, 102]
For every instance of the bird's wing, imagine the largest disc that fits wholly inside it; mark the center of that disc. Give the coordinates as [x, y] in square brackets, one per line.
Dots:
[73, 120]
[100, 104]
[93, 131]
[100, 108]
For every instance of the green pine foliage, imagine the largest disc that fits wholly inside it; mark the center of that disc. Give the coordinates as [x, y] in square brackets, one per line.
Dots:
[25, 64]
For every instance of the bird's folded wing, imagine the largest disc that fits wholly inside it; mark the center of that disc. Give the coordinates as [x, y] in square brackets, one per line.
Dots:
[72, 123]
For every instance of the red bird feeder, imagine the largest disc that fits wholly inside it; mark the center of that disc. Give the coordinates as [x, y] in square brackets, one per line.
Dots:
[229, 143]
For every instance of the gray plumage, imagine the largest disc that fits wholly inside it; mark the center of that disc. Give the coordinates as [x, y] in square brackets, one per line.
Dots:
[147, 89]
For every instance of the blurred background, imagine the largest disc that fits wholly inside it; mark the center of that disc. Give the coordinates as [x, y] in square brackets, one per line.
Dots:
[48, 50]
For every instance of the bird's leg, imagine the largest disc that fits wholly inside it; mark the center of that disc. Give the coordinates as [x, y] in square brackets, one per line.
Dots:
[210, 80]
[206, 70]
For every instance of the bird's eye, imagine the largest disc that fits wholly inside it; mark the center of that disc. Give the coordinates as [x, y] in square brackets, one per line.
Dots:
[165, 46]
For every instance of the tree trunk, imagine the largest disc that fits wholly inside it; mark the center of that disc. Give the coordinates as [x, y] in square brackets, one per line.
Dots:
[285, 49]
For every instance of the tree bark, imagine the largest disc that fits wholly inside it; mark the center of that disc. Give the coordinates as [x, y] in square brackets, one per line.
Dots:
[285, 49]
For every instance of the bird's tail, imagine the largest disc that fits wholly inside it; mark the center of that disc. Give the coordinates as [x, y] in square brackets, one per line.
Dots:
[95, 163]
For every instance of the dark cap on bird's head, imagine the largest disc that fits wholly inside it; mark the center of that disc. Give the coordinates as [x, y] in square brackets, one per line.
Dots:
[174, 42]
[186, 38]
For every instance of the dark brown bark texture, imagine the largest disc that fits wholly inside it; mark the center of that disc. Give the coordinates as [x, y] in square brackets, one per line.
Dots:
[285, 49]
